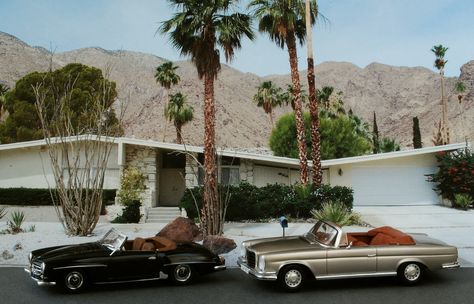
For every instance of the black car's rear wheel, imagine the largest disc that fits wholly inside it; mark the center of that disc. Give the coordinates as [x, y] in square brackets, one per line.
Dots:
[292, 277]
[410, 273]
[182, 274]
[74, 281]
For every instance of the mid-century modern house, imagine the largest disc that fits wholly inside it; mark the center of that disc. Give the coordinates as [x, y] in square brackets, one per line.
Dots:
[396, 178]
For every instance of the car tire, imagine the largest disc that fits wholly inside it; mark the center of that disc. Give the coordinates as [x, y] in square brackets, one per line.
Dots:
[410, 273]
[292, 277]
[181, 274]
[74, 281]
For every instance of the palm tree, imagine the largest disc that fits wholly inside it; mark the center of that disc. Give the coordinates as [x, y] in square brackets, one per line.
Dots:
[324, 95]
[179, 112]
[3, 91]
[199, 29]
[440, 62]
[166, 76]
[288, 97]
[268, 96]
[313, 102]
[284, 22]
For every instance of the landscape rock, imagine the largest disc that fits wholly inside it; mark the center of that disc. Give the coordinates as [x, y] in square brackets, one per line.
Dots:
[6, 255]
[181, 230]
[219, 244]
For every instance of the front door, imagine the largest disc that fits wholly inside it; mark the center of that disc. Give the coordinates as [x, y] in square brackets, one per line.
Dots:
[172, 186]
[350, 261]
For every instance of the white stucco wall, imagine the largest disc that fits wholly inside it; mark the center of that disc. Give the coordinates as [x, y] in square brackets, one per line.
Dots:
[31, 168]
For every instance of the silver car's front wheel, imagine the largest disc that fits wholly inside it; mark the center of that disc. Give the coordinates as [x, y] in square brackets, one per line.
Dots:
[292, 277]
[410, 273]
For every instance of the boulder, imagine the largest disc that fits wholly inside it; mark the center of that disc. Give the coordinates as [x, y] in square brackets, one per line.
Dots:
[219, 244]
[181, 230]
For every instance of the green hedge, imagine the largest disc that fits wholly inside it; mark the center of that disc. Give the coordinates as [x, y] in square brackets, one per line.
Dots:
[248, 202]
[40, 197]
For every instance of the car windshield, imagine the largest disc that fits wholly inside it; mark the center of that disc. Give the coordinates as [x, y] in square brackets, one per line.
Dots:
[113, 240]
[322, 233]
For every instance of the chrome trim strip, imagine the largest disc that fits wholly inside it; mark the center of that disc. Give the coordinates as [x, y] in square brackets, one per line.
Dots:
[185, 262]
[80, 266]
[357, 275]
[162, 276]
[451, 265]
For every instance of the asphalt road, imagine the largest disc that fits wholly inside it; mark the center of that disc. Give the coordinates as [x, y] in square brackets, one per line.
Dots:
[233, 286]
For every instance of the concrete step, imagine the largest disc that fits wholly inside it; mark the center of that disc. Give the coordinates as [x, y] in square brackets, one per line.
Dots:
[162, 214]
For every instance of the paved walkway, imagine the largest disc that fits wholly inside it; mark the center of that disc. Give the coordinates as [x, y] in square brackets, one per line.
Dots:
[455, 227]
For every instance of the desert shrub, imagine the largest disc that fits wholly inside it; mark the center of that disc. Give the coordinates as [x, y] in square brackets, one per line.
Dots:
[41, 197]
[455, 173]
[248, 202]
[462, 200]
[336, 212]
[130, 213]
[132, 184]
[16, 220]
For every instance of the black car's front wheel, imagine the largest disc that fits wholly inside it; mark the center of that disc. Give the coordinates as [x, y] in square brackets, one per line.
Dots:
[182, 274]
[292, 277]
[74, 281]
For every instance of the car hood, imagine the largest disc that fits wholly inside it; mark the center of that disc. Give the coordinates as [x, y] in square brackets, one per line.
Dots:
[295, 243]
[85, 250]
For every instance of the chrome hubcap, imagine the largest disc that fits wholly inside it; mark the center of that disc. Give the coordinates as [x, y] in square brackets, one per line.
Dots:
[293, 278]
[182, 273]
[74, 280]
[412, 272]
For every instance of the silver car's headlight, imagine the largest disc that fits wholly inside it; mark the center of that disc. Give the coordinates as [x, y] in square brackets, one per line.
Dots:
[261, 263]
[243, 251]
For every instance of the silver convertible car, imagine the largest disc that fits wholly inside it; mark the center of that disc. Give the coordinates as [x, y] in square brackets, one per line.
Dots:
[327, 252]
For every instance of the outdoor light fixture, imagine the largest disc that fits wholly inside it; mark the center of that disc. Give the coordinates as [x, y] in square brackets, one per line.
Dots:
[340, 172]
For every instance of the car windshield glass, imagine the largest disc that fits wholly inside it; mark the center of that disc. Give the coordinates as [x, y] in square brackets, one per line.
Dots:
[113, 240]
[323, 233]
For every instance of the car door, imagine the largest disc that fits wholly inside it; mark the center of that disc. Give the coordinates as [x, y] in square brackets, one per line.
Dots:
[351, 261]
[134, 265]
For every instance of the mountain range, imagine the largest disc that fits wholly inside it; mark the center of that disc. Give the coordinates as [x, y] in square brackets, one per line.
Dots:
[396, 94]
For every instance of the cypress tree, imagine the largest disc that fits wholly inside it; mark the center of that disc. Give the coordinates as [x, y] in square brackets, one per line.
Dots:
[416, 134]
[375, 136]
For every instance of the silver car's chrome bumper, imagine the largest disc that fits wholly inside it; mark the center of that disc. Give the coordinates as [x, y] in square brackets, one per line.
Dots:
[38, 281]
[267, 276]
[451, 265]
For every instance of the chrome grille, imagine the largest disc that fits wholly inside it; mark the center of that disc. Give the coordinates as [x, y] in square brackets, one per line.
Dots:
[251, 259]
[36, 268]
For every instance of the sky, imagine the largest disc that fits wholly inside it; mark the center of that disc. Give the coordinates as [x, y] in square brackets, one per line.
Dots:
[394, 32]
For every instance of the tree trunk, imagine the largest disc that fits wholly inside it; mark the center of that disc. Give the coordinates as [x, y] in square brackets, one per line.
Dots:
[210, 212]
[179, 138]
[272, 123]
[444, 127]
[165, 104]
[313, 104]
[295, 78]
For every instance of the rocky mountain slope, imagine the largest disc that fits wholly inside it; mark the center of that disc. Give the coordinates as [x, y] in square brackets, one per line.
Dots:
[395, 93]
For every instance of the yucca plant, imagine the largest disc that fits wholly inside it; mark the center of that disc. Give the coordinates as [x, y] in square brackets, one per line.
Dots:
[336, 212]
[462, 200]
[17, 219]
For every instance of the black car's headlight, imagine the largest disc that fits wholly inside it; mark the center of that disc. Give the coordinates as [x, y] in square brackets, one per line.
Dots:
[43, 267]
[30, 257]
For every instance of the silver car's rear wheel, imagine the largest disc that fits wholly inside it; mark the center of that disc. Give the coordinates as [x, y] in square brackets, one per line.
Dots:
[74, 281]
[410, 273]
[292, 277]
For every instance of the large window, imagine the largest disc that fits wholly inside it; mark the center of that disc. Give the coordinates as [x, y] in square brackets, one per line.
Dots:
[228, 170]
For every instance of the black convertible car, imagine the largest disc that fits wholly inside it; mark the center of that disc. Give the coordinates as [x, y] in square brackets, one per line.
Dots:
[116, 259]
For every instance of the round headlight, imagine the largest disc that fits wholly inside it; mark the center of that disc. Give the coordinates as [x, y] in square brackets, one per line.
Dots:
[261, 263]
[30, 257]
[43, 266]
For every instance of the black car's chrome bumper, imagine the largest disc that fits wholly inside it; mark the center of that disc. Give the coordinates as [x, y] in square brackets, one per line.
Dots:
[267, 276]
[41, 282]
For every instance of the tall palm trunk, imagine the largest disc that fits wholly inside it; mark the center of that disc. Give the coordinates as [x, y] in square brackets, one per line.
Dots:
[211, 209]
[313, 104]
[295, 78]
[444, 128]
[165, 104]
[179, 138]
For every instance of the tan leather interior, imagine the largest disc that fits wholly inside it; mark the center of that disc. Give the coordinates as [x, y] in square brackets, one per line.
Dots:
[162, 244]
[138, 243]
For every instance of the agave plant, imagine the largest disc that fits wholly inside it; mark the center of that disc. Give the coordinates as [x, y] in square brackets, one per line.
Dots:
[17, 219]
[462, 200]
[337, 213]
[3, 212]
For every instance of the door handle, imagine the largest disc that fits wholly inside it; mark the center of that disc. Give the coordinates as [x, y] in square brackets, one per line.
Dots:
[371, 255]
[152, 258]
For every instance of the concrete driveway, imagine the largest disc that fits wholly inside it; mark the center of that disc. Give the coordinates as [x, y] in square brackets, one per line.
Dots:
[452, 226]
